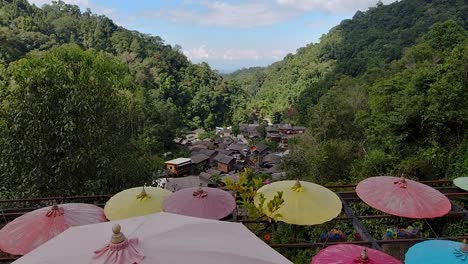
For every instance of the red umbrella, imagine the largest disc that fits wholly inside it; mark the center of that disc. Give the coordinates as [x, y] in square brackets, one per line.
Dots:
[210, 203]
[352, 254]
[33, 229]
[403, 197]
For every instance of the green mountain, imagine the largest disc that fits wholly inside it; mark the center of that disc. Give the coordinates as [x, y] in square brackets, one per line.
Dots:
[382, 93]
[200, 95]
[368, 42]
[87, 106]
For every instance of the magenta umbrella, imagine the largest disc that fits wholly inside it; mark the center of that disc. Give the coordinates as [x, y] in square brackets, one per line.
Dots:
[403, 197]
[352, 254]
[206, 202]
[33, 229]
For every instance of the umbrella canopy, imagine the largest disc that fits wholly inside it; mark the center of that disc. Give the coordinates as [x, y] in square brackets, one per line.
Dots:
[461, 182]
[403, 197]
[305, 203]
[156, 238]
[33, 229]
[135, 202]
[352, 254]
[210, 203]
[437, 252]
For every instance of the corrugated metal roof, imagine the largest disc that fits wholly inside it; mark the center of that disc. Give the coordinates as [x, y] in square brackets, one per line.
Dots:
[179, 161]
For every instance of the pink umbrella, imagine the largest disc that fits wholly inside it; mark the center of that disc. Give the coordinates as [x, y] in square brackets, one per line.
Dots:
[33, 229]
[403, 197]
[210, 203]
[160, 238]
[352, 254]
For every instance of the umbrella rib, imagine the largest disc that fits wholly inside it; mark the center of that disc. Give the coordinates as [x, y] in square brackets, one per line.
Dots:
[359, 225]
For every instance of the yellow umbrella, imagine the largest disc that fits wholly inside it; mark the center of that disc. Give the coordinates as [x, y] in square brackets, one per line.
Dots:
[305, 203]
[135, 202]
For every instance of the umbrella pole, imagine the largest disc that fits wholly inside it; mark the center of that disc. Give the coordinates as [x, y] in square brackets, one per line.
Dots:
[435, 234]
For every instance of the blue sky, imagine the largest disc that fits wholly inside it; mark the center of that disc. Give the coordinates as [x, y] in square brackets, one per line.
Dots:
[228, 34]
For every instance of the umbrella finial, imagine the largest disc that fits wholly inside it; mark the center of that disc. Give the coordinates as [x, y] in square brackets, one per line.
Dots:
[143, 194]
[364, 257]
[401, 182]
[55, 211]
[297, 187]
[200, 193]
[118, 237]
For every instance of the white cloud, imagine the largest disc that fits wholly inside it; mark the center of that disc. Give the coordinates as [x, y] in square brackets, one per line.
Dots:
[219, 13]
[332, 6]
[239, 54]
[254, 13]
[199, 53]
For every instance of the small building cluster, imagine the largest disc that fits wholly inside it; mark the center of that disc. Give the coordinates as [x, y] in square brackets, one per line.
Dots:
[214, 160]
[280, 133]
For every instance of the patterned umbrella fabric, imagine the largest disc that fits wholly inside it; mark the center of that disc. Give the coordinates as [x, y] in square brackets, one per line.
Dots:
[305, 203]
[156, 238]
[33, 229]
[437, 252]
[210, 203]
[352, 254]
[461, 182]
[135, 202]
[403, 197]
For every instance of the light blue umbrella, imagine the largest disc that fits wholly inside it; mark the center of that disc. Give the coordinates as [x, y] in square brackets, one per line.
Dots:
[437, 252]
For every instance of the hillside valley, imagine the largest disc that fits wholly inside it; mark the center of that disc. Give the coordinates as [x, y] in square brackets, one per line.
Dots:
[90, 108]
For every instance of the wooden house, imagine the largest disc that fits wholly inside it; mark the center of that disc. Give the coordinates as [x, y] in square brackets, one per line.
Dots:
[208, 152]
[225, 163]
[285, 129]
[270, 160]
[259, 149]
[200, 160]
[298, 130]
[238, 148]
[272, 129]
[179, 166]
[249, 130]
[276, 137]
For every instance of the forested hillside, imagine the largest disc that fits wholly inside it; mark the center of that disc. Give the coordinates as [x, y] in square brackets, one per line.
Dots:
[88, 106]
[362, 46]
[394, 101]
[199, 94]
[382, 93]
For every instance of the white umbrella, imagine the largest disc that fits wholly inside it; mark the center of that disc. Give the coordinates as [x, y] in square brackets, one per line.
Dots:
[160, 238]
